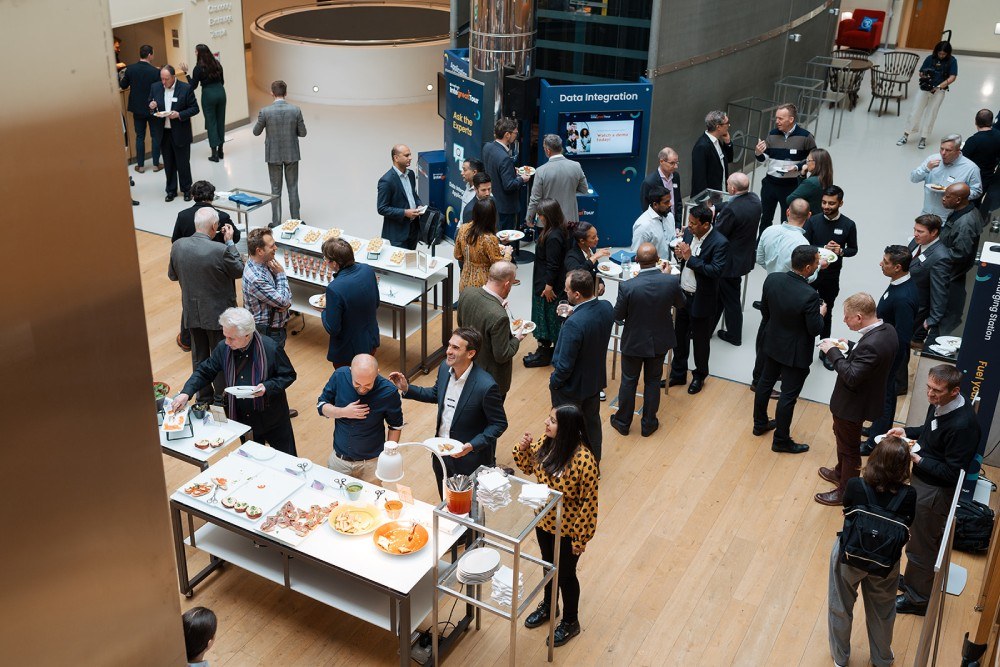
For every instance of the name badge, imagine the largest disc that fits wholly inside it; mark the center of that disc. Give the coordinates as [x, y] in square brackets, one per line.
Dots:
[838, 231]
[793, 151]
[885, 296]
[697, 252]
[951, 179]
[933, 424]
[923, 258]
[173, 99]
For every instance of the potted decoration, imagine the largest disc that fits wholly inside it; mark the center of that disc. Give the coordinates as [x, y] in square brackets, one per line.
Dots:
[160, 391]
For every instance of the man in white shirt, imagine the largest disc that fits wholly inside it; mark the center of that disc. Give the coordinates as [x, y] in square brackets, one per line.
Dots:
[172, 131]
[656, 224]
[711, 155]
[665, 175]
[469, 169]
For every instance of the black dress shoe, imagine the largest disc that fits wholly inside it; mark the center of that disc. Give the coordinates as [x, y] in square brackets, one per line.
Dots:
[292, 413]
[170, 198]
[564, 632]
[650, 430]
[187, 196]
[866, 431]
[695, 386]
[724, 335]
[903, 606]
[135, 203]
[538, 359]
[619, 426]
[761, 430]
[867, 448]
[676, 382]
[790, 447]
[756, 304]
[538, 617]
[663, 384]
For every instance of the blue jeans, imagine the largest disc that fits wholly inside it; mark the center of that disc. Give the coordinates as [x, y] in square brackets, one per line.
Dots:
[141, 123]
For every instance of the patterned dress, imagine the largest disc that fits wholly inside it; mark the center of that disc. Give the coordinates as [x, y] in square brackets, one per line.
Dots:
[577, 482]
[477, 257]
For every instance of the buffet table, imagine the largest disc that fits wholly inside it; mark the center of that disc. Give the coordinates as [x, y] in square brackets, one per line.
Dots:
[403, 291]
[347, 572]
[182, 446]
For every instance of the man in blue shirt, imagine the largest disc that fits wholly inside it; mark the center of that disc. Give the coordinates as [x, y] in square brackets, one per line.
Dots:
[362, 403]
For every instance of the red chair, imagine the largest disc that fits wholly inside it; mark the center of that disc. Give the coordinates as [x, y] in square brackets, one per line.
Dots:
[850, 36]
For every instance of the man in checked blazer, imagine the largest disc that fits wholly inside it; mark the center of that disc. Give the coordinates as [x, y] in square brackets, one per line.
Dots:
[284, 125]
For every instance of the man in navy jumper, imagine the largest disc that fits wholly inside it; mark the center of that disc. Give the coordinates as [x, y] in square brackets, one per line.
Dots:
[785, 150]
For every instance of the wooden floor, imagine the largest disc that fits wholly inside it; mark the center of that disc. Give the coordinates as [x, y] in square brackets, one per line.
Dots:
[709, 550]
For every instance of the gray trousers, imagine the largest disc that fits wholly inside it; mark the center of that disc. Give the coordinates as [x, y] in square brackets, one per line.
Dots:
[926, 533]
[879, 594]
[291, 173]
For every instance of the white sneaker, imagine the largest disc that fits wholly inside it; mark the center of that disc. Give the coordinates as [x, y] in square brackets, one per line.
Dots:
[902, 140]
[923, 143]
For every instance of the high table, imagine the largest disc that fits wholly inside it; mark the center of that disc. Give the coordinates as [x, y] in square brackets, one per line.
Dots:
[224, 203]
[183, 448]
[348, 573]
[403, 292]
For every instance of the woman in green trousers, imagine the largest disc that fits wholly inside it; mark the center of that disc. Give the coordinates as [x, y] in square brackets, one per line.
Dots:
[208, 73]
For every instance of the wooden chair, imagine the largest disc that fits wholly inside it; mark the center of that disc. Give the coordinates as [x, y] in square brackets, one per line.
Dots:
[847, 80]
[885, 88]
[900, 65]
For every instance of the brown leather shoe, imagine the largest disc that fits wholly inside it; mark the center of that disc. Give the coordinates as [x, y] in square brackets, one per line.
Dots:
[832, 498]
[186, 348]
[829, 474]
[157, 167]
[141, 170]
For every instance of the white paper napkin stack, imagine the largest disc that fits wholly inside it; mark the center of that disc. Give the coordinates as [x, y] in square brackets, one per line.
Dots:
[503, 589]
[493, 490]
[534, 495]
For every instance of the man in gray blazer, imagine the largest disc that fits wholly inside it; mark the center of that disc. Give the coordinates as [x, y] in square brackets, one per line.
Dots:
[560, 178]
[284, 125]
[644, 304]
[207, 272]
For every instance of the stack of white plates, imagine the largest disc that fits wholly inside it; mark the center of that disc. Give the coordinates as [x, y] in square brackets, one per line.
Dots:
[478, 565]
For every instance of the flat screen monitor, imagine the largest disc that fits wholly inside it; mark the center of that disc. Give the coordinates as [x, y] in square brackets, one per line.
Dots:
[601, 133]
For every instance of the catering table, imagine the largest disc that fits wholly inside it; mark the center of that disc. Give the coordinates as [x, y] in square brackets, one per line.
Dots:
[183, 447]
[403, 292]
[348, 573]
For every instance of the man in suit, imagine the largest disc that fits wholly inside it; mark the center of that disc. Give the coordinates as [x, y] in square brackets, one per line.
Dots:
[784, 149]
[837, 233]
[960, 234]
[737, 221]
[898, 306]
[792, 316]
[469, 170]
[398, 202]
[644, 304]
[665, 175]
[207, 272]
[500, 166]
[485, 310]
[948, 439]
[173, 132]
[470, 409]
[284, 125]
[560, 178]
[711, 154]
[859, 392]
[138, 78]
[246, 358]
[352, 300]
[579, 360]
[703, 253]
[483, 190]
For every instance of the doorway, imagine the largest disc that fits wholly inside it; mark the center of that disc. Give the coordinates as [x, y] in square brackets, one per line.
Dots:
[132, 36]
[926, 19]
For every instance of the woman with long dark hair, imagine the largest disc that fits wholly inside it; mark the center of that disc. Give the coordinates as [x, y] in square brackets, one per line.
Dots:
[208, 72]
[563, 460]
[819, 176]
[477, 245]
[548, 280]
[884, 477]
[938, 71]
[582, 252]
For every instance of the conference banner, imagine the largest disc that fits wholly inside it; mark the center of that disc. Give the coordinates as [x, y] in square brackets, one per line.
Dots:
[463, 138]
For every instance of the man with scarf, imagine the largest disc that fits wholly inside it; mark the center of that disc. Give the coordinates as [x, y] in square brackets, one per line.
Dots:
[245, 358]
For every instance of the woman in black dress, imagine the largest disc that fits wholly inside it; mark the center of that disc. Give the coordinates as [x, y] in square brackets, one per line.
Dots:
[208, 73]
[548, 280]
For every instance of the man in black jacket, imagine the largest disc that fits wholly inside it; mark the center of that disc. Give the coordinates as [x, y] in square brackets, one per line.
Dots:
[203, 194]
[644, 304]
[245, 358]
[398, 202]
[960, 234]
[500, 166]
[948, 442]
[859, 392]
[791, 317]
[176, 99]
[138, 78]
[711, 154]
[983, 148]
[838, 234]
[666, 176]
[703, 253]
[737, 221]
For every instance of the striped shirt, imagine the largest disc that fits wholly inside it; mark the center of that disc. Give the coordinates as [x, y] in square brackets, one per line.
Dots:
[784, 151]
[265, 293]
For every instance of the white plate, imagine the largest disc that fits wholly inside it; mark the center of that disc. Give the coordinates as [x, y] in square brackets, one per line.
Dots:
[240, 391]
[477, 562]
[258, 451]
[829, 255]
[674, 241]
[526, 327]
[914, 448]
[510, 235]
[187, 420]
[843, 347]
[935, 188]
[302, 499]
[437, 442]
[608, 268]
[277, 486]
[949, 341]
[161, 114]
[530, 171]
[314, 301]
[422, 209]
[235, 470]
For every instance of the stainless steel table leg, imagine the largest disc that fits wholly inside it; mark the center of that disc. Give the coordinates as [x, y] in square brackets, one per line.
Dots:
[402, 343]
[423, 332]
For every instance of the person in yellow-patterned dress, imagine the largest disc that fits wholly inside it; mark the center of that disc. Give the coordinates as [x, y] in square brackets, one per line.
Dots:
[563, 460]
[477, 246]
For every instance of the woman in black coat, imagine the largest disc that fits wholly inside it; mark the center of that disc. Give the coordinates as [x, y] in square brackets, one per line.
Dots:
[548, 280]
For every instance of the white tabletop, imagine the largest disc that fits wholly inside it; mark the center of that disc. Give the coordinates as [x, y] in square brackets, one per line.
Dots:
[356, 554]
[393, 288]
[230, 431]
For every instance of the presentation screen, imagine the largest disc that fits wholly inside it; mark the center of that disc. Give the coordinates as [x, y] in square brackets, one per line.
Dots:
[601, 133]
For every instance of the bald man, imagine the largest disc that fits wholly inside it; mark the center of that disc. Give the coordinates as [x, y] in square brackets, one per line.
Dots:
[738, 222]
[960, 235]
[398, 202]
[364, 405]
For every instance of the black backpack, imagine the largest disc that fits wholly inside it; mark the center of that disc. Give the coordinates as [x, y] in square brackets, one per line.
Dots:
[973, 526]
[873, 536]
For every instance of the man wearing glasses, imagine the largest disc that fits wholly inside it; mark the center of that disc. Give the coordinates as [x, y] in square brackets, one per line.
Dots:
[665, 176]
[712, 154]
[937, 172]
